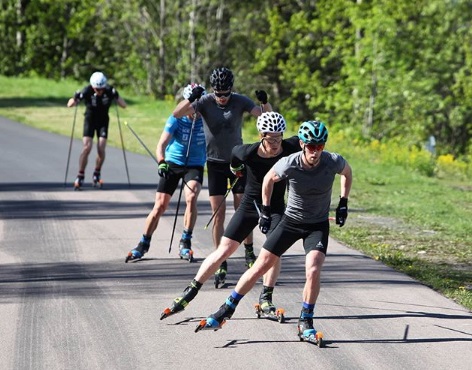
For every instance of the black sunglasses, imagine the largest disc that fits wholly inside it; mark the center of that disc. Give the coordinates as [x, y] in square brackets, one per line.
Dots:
[222, 94]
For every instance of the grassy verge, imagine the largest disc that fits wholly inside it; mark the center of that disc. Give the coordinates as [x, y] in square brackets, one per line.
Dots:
[415, 224]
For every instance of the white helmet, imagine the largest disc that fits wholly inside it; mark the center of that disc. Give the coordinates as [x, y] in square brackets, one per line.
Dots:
[98, 80]
[269, 122]
[188, 90]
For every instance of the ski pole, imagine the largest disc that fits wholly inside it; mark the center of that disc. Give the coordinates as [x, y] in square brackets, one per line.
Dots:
[122, 143]
[257, 208]
[150, 153]
[222, 201]
[70, 144]
[182, 186]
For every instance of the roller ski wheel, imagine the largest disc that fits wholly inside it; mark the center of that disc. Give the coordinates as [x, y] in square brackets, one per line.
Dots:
[209, 324]
[186, 254]
[277, 314]
[312, 336]
[78, 183]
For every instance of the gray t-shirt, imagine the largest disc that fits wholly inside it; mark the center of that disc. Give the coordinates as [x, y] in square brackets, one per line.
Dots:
[222, 124]
[309, 195]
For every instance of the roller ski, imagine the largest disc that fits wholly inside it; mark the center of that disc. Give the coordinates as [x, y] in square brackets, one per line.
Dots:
[220, 275]
[180, 303]
[306, 331]
[270, 312]
[185, 250]
[78, 183]
[138, 253]
[218, 319]
[250, 258]
[97, 182]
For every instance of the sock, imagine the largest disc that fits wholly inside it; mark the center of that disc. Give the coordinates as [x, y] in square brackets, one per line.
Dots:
[81, 174]
[308, 307]
[146, 238]
[187, 234]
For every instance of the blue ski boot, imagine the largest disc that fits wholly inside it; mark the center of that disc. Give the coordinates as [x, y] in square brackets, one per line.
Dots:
[306, 330]
[185, 249]
[141, 249]
[218, 319]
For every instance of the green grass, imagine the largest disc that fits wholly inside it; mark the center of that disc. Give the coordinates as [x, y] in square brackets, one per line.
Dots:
[418, 225]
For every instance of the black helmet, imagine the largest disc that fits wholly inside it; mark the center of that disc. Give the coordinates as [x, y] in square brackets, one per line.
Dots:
[221, 79]
[313, 132]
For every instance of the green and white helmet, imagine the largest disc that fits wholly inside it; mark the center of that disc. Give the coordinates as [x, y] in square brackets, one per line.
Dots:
[313, 132]
[98, 80]
[271, 122]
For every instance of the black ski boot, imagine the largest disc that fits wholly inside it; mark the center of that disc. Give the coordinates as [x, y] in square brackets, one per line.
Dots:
[306, 330]
[96, 180]
[185, 249]
[180, 303]
[220, 274]
[217, 320]
[141, 249]
[250, 257]
[78, 183]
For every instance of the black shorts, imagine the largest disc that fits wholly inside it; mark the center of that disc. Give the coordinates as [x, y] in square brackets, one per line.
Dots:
[288, 231]
[220, 179]
[245, 219]
[176, 172]
[100, 126]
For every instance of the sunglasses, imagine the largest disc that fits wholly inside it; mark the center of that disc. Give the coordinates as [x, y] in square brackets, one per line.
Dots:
[222, 94]
[314, 147]
[274, 140]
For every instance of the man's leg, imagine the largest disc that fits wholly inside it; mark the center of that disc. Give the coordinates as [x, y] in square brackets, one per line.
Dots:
[219, 219]
[83, 159]
[160, 205]
[191, 192]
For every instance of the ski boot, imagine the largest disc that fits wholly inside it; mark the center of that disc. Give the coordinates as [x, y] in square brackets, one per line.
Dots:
[220, 275]
[137, 253]
[180, 303]
[218, 319]
[79, 181]
[97, 182]
[265, 308]
[250, 258]
[185, 250]
[306, 331]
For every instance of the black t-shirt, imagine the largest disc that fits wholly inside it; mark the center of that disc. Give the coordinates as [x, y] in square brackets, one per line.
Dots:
[97, 106]
[257, 167]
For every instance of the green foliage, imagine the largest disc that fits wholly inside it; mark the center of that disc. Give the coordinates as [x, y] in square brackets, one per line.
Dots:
[386, 69]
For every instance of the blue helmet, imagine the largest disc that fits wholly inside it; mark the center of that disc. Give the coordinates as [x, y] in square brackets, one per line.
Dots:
[313, 132]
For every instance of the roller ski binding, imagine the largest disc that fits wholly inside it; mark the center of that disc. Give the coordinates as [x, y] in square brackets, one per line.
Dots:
[220, 275]
[138, 253]
[306, 331]
[78, 183]
[250, 258]
[185, 250]
[181, 302]
[97, 182]
[218, 319]
[268, 310]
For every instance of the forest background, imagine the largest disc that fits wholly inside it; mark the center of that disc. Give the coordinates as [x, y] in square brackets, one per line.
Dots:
[392, 79]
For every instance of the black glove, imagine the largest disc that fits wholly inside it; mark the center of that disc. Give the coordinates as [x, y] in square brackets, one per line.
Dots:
[341, 212]
[238, 171]
[261, 96]
[163, 169]
[196, 94]
[265, 219]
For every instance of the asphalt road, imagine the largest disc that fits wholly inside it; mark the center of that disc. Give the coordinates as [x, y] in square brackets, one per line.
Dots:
[68, 300]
